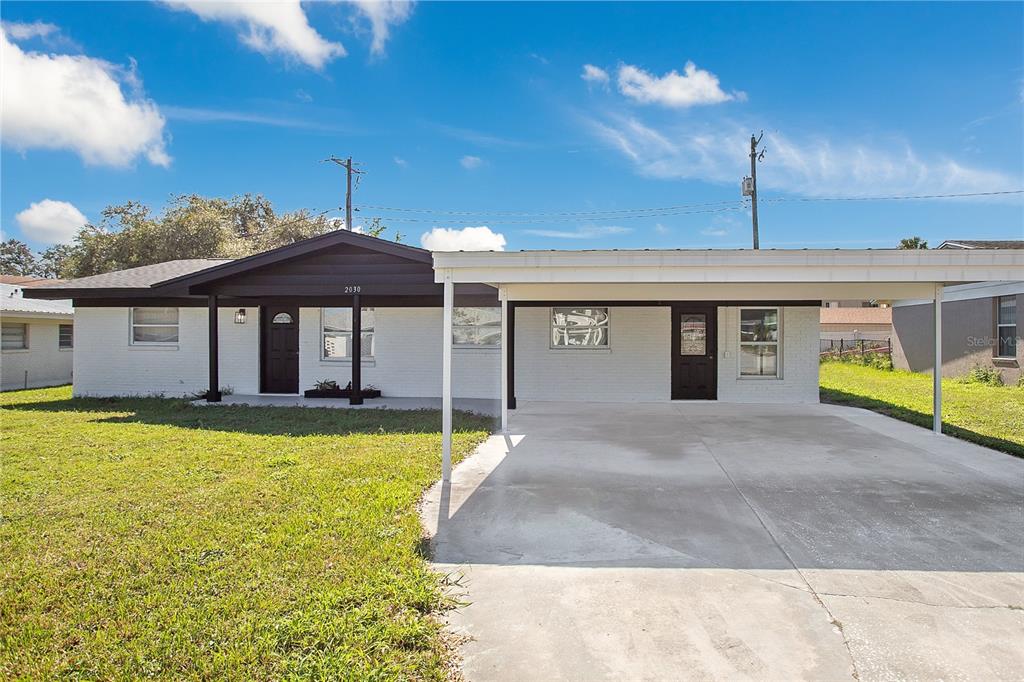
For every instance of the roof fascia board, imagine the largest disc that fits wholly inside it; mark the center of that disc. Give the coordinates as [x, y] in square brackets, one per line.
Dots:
[721, 291]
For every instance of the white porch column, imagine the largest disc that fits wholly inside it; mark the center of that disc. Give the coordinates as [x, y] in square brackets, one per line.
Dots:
[446, 379]
[503, 295]
[937, 368]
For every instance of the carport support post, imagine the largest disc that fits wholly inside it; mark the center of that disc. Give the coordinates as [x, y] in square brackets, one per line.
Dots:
[355, 396]
[937, 365]
[213, 392]
[504, 359]
[446, 379]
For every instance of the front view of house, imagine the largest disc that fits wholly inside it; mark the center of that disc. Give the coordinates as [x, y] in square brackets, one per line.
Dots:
[635, 326]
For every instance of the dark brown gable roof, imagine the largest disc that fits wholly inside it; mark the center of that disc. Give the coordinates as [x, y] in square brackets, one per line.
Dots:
[302, 248]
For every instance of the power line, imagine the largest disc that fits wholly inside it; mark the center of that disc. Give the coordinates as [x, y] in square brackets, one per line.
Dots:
[652, 212]
[464, 221]
[522, 214]
[898, 197]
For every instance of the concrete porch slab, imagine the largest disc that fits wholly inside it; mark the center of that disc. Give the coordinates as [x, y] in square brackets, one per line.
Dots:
[480, 406]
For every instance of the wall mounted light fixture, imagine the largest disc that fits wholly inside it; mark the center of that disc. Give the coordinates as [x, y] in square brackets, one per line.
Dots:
[240, 316]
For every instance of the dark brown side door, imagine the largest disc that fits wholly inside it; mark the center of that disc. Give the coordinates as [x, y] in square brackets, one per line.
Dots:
[694, 353]
[279, 362]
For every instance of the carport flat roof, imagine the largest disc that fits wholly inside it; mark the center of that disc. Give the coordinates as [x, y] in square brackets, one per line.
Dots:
[726, 274]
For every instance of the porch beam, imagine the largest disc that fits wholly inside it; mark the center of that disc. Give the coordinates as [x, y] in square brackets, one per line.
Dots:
[937, 365]
[446, 379]
[213, 392]
[355, 396]
[509, 341]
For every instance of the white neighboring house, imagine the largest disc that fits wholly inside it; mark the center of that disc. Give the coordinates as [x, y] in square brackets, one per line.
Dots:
[38, 339]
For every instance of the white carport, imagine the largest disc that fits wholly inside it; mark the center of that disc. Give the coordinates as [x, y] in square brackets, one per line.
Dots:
[662, 277]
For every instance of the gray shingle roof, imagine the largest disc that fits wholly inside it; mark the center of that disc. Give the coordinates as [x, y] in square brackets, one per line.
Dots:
[982, 244]
[142, 277]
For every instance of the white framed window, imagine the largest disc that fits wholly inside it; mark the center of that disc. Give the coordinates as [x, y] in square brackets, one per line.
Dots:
[585, 328]
[476, 327]
[760, 342]
[154, 326]
[66, 337]
[14, 336]
[1006, 327]
[336, 333]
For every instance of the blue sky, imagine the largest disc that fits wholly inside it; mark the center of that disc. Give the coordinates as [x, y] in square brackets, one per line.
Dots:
[484, 108]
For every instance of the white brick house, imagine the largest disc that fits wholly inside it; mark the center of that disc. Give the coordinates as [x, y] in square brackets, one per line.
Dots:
[638, 326]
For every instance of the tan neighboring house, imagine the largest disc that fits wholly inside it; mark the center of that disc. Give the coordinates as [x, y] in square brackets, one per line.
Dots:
[37, 337]
[856, 323]
[980, 324]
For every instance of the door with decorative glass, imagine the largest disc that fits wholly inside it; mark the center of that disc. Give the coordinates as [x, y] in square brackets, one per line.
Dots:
[694, 357]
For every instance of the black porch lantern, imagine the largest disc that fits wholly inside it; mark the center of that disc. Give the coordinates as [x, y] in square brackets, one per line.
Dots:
[240, 316]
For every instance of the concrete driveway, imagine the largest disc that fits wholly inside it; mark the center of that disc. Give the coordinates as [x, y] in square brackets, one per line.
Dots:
[711, 541]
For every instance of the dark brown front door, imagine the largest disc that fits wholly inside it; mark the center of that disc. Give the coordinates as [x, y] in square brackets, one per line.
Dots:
[694, 354]
[279, 365]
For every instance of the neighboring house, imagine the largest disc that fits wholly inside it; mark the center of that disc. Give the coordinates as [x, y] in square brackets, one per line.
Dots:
[38, 337]
[981, 324]
[730, 325]
[855, 324]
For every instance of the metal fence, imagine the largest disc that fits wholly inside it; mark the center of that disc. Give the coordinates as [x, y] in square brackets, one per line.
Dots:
[858, 346]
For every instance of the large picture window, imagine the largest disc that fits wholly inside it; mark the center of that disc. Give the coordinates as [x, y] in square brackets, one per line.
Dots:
[477, 327]
[337, 333]
[1006, 326]
[154, 325]
[15, 336]
[759, 342]
[579, 328]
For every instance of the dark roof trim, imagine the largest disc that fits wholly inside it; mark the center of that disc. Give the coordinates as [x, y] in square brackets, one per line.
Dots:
[302, 248]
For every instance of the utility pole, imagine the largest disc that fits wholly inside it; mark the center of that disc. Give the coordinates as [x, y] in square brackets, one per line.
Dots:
[750, 183]
[349, 171]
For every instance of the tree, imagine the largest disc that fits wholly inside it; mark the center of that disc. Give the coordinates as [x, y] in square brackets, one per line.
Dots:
[16, 258]
[913, 243]
[54, 261]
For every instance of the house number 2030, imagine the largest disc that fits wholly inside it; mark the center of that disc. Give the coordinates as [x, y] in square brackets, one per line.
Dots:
[352, 289]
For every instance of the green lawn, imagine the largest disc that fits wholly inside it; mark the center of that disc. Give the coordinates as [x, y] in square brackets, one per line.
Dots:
[150, 538]
[989, 415]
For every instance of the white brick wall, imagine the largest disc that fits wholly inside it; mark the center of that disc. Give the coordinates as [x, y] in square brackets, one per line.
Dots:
[107, 364]
[408, 357]
[407, 360]
[635, 368]
[45, 363]
[799, 382]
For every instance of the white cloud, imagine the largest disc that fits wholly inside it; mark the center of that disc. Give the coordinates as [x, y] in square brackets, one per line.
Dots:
[661, 229]
[25, 31]
[714, 232]
[594, 75]
[464, 239]
[400, 162]
[50, 222]
[471, 162]
[382, 15]
[201, 115]
[582, 232]
[77, 103]
[806, 165]
[269, 27]
[695, 86]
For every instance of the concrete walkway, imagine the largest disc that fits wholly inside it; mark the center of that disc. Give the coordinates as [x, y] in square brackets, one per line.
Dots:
[715, 541]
